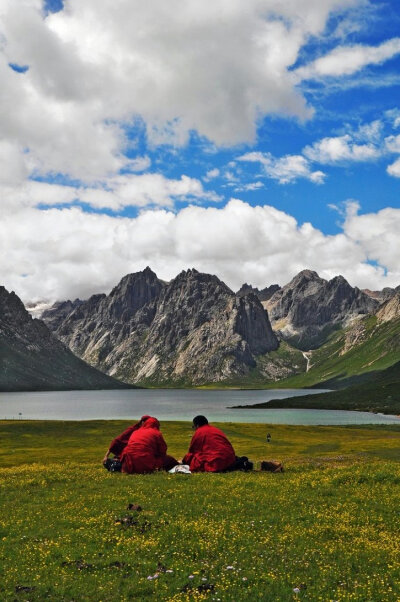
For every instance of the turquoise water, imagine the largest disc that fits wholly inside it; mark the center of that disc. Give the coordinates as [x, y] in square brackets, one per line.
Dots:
[173, 404]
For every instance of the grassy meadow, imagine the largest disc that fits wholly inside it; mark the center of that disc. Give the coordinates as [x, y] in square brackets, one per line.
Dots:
[325, 529]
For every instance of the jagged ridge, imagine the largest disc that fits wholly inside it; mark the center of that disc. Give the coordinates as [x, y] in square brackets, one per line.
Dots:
[193, 330]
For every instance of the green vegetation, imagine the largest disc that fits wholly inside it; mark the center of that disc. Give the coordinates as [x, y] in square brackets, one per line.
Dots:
[379, 395]
[333, 369]
[326, 529]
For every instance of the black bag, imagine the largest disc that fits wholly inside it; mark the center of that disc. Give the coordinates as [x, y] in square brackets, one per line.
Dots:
[242, 463]
[112, 465]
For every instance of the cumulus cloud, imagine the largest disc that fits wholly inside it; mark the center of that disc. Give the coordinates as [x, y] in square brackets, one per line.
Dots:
[285, 169]
[393, 144]
[65, 253]
[347, 60]
[340, 148]
[211, 174]
[394, 169]
[377, 236]
[115, 193]
[95, 67]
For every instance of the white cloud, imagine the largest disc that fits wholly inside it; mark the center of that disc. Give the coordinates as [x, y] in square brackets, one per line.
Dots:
[370, 132]
[284, 169]
[394, 169]
[139, 164]
[340, 148]
[210, 67]
[346, 60]
[58, 254]
[211, 174]
[393, 144]
[377, 236]
[249, 187]
[116, 193]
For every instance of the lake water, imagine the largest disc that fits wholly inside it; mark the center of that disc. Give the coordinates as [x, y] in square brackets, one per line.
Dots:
[173, 404]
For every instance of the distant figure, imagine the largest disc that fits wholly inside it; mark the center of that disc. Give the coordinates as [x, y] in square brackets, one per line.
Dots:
[210, 449]
[118, 444]
[268, 437]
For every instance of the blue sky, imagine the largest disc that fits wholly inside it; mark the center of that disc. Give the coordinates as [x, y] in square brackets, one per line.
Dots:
[248, 140]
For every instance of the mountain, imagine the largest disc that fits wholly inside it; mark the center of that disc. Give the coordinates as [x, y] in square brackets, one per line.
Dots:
[351, 354]
[307, 309]
[193, 330]
[381, 296]
[92, 328]
[31, 357]
[263, 294]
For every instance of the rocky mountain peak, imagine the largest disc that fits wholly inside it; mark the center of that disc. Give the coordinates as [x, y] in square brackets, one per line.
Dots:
[263, 294]
[193, 329]
[383, 295]
[305, 276]
[309, 305]
[133, 292]
[12, 308]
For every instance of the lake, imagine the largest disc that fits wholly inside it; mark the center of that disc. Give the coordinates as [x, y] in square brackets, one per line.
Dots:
[173, 404]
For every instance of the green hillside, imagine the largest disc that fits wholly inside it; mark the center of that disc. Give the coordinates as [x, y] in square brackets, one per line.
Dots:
[380, 393]
[333, 369]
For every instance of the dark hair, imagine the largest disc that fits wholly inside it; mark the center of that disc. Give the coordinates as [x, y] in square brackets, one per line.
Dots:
[200, 421]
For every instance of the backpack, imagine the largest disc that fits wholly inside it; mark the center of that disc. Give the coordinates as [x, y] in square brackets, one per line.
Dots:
[243, 463]
[112, 465]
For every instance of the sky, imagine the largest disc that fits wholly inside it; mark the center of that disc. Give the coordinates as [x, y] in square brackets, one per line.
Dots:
[249, 140]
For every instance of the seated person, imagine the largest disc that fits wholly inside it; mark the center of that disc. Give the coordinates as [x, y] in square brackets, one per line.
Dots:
[146, 450]
[118, 444]
[210, 449]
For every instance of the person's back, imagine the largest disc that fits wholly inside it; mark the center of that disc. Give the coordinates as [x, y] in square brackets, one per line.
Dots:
[146, 449]
[210, 449]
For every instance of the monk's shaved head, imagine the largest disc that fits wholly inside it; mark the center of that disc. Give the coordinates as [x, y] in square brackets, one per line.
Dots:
[199, 421]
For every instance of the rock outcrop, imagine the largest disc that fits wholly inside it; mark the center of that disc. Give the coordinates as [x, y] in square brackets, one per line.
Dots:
[381, 296]
[32, 358]
[192, 330]
[390, 310]
[309, 307]
[263, 294]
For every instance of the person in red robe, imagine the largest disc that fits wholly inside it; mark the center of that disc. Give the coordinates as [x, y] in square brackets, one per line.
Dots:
[210, 450]
[146, 450]
[118, 444]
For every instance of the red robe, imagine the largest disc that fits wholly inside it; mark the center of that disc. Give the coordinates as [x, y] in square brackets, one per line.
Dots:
[118, 444]
[146, 449]
[209, 451]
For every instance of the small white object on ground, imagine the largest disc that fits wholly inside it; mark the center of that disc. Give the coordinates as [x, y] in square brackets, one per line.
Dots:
[180, 469]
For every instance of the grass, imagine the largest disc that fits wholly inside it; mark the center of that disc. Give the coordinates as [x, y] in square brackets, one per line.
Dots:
[326, 529]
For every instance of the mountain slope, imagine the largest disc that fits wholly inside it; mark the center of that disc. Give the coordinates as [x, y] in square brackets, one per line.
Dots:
[31, 358]
[381, 393]
[350, 355]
